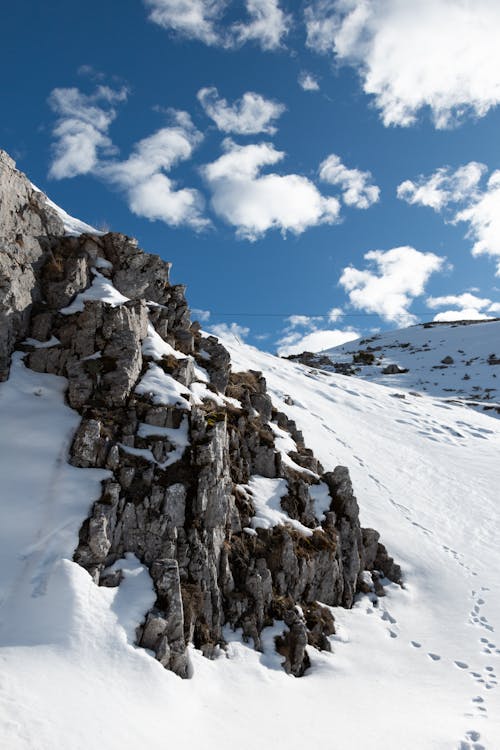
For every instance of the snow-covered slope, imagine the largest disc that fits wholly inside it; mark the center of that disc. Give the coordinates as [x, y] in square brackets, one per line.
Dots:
[417, 672]
[469, 373]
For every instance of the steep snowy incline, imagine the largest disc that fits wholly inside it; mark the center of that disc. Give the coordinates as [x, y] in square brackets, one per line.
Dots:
[457, 361]
[417, 672]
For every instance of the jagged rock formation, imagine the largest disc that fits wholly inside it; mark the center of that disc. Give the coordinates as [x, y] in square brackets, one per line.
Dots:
[209, 485]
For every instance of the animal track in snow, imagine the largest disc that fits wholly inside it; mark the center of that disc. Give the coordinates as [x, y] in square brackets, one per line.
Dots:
[471, 741]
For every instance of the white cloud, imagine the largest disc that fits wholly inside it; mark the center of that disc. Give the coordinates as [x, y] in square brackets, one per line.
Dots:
[355, 185]
[460, 193]
[255, 203]
[150, 192]
[466, 313]
[81, 129]
[307, 82]
[313, 338]
[335, 314]
[391, 282]
[202, 315]
[470, 307]
[252, 113]
[194, 19]
[314, 341]
[83, 147]
[229, 331]
[440, 54]
[266, 23]
[267, 26]
[483, 216]
[302, 321]
[443, 186]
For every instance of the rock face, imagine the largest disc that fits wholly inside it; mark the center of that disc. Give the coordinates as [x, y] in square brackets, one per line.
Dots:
[25, 223]
[184, 439]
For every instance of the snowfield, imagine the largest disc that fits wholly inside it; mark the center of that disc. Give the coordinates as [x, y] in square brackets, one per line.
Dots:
[417, 672]
[457, 361]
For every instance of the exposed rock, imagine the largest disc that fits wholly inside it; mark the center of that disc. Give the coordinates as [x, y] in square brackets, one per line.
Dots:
[25, 221]
[178, 494]
[393, 370]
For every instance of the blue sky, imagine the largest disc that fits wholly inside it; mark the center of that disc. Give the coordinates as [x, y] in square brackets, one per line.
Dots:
[280, 207]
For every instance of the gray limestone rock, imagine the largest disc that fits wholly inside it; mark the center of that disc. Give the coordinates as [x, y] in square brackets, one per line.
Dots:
[183, 513]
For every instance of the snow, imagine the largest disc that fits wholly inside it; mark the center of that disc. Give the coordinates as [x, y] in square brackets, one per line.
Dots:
[284, 444]
[72, 227]
[470, 379]
[322, 499]
[266, 497]
[53, 341]
[416, 672]
[101, 289]
[162, 388]
[134, 596]
[155, 347]
[177, 437]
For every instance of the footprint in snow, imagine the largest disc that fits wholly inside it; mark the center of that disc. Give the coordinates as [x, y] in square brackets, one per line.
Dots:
[434, 657]
[471, 741]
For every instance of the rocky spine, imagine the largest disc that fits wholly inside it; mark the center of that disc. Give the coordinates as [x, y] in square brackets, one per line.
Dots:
[186, 442]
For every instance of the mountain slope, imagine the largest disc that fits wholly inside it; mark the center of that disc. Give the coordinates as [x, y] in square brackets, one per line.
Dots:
[427, 472]
[455, 361]
[412, 667]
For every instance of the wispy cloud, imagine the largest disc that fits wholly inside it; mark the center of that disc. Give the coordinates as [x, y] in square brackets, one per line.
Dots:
[265, 23]
[194, 19]
[81, 130]
[254, 203]
[392, 279]
[442, 187]
[250, 114]
[461, 197]
[307, 81]
[357, 188]
[82, 146]
[412, 55]
[230, 331]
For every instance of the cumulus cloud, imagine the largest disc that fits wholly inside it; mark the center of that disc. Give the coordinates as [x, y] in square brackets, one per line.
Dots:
[254, 203]
[194, 19]
[314, 341]
[357, 190]
[442, 187]
[304, 333]
[307, 81]
[252, 113]
[150, 192]
[437, 54]
[229, 331]
[81, 129]
[483, 217]
[390, 282]
[470, 307]
[265, 23]
[83, 147]
[199, 314]
[460, 194]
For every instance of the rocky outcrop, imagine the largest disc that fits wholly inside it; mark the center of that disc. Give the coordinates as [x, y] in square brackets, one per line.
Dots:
[188, 444]
[26, 220]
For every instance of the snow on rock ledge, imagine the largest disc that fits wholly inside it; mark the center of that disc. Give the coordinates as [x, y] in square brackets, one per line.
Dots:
[191, 465]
